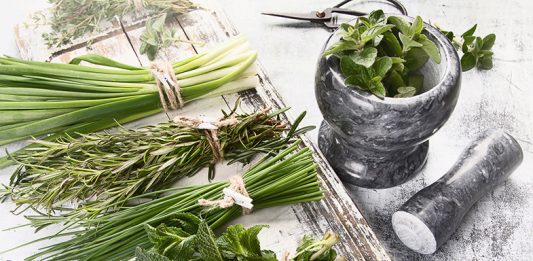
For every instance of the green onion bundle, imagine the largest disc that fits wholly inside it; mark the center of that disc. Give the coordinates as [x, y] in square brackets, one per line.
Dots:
[288, 178]
[98, 170]
[38, 98]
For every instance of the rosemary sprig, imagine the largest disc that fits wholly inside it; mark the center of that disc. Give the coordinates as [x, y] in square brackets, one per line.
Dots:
[71, 19]
[99, 170]
[290, 177]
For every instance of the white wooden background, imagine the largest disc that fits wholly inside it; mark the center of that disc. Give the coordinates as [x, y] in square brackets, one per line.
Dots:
[500, 226]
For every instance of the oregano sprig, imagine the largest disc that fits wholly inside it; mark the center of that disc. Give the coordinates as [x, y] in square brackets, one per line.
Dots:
[477, 51]
[382, 55]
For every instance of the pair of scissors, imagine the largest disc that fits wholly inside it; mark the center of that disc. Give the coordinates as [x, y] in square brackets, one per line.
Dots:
[327, 17]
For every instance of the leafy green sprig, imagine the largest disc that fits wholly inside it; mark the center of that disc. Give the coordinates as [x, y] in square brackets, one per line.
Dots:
[156, 36]
[188, 237]
[382, 55]
[477, 51]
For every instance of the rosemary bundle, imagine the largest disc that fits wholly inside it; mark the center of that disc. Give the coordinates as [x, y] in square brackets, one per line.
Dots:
[71, 19]
[38, 98]
[288, 178]
[99, 170]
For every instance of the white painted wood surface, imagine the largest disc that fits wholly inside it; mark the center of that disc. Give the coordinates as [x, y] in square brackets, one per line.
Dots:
[500, 226]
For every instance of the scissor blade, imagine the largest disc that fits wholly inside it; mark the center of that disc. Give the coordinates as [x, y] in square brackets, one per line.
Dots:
[311, 16]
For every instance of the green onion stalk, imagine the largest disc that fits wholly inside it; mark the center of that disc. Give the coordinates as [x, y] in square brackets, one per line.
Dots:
[40, 98]
[98, 170]
[290, 177]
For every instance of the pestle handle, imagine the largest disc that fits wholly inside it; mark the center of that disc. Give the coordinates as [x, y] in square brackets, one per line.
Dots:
[431, 216]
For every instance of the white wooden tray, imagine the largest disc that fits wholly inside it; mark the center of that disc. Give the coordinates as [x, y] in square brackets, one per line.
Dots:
[120, 41]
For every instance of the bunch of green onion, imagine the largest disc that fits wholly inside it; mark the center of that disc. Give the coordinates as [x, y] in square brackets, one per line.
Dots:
[288, 178]
[98, 170]
[40, 98]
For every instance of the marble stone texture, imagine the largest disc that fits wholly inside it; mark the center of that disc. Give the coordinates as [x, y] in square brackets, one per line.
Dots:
[380, 143]
[486, 163]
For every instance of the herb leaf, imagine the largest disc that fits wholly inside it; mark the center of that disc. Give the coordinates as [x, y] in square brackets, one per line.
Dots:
[404, 92]
[366, 57]
[408, 43]
[468, 61]
[146, 255]
[207, 245]
[318, 250]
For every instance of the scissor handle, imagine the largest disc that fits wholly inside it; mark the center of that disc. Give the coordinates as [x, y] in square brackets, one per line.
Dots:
[347, 11]
[341, 3]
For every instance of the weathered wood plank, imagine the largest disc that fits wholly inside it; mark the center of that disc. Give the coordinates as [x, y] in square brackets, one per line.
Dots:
[337, 211]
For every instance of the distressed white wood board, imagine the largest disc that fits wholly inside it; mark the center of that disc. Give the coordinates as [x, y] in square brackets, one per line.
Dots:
[500, 226]
[288, 223]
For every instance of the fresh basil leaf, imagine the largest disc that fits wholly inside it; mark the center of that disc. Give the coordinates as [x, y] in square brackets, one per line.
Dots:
[391, 45]
[341, 46]
[485, 63]
[470, 31]
[408, 43]
[488, 42]
[366, 57]
[468, 61]
[382, 66]
[416, 27]
[417, 81]
[404, 92]
[401, 24]
[415, 58]
[207, 246]
[431, 49]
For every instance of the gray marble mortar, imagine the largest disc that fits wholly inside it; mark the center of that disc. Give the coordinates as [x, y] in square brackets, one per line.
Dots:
[380, 143]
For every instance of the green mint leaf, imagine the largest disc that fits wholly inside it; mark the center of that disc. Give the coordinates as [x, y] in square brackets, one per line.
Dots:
[415, 58]
[341, 46]
[408, 43]
[416, 27]
[404, 92]
[431, 49]
[145, 255]
[488, 42]
[366, 57]
[241, 243]
[401, 24]
[468, 61]
[382, 66]
[207, 246]
[391, 45]
[470, 31]
[349, 67]
[485, 63]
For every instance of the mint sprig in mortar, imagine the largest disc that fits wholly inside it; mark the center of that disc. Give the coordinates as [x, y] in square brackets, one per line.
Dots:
[382, 55]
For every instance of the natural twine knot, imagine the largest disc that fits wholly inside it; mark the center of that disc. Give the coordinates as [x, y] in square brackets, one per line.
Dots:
[236, 184]
[211, 130]
[167, 85]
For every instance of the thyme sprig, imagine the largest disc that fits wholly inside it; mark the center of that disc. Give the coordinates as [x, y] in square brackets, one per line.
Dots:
[72, 19]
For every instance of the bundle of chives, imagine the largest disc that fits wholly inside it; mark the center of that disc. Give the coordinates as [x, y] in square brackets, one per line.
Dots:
[288, 178]
[38, 98]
